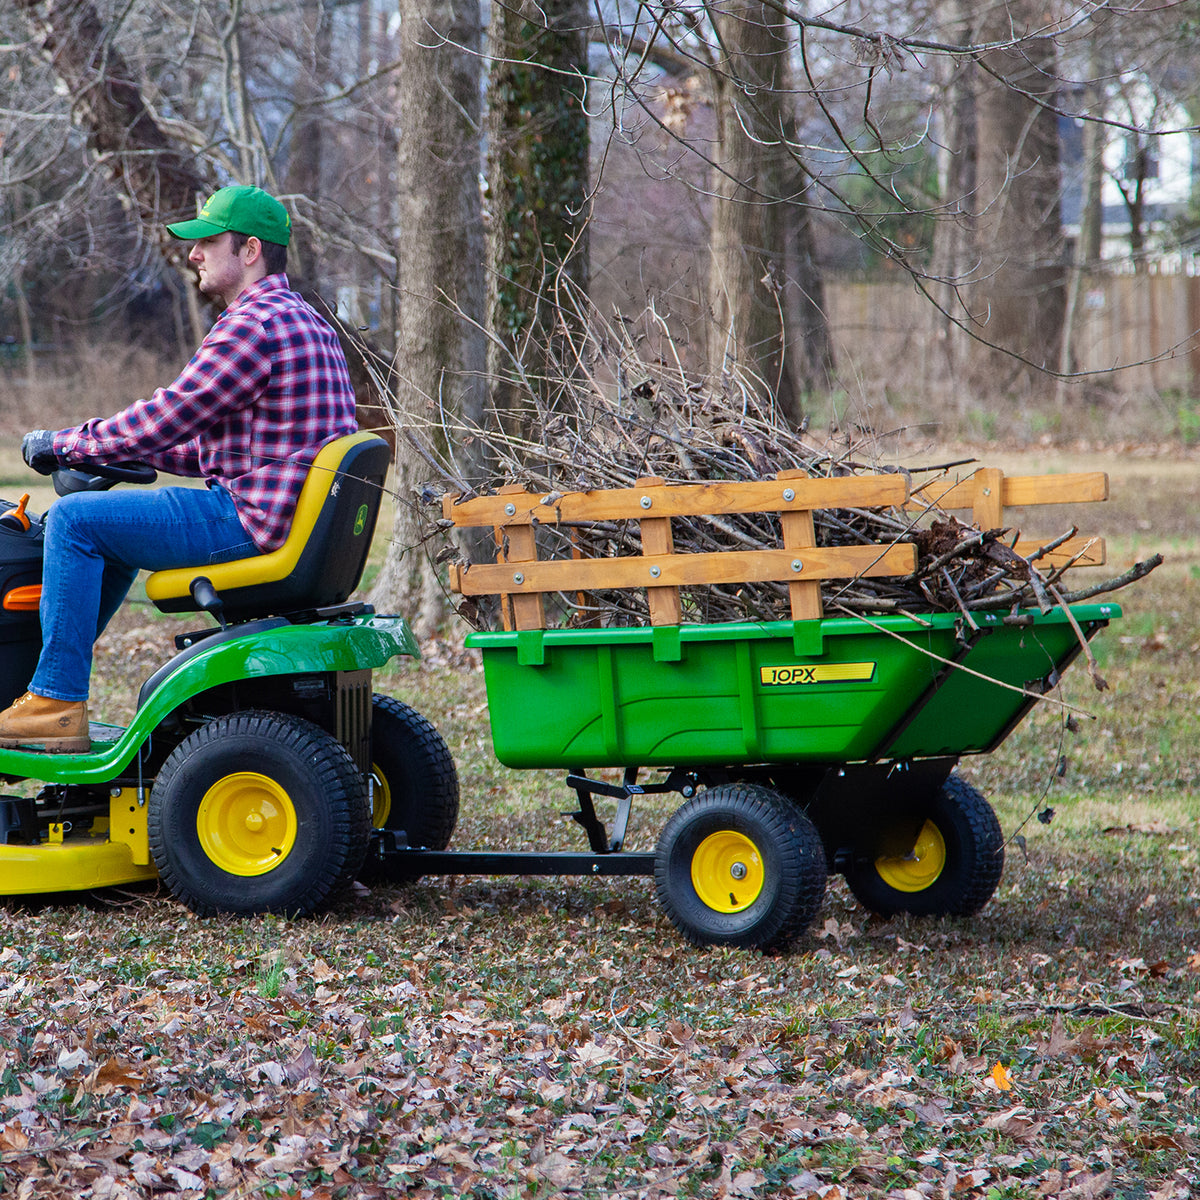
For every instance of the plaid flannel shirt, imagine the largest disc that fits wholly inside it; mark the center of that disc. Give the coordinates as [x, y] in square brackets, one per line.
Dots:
[267, 388]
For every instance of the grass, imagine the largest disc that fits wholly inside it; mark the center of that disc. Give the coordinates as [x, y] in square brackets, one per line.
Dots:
[495, 1038]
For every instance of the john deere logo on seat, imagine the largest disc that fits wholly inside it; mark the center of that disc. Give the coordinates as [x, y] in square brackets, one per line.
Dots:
[360, 521]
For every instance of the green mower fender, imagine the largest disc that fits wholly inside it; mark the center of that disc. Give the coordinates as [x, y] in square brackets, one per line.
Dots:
[275, 648]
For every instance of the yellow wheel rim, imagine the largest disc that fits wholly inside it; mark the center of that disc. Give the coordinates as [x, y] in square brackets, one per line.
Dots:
[727, 871]
[381, 798]
[246, 823]
[921, 867]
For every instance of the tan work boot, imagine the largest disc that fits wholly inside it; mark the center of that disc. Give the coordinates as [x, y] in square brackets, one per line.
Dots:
[59, 726]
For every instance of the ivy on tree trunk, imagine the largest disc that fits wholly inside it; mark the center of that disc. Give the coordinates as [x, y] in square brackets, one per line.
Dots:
[537, 185]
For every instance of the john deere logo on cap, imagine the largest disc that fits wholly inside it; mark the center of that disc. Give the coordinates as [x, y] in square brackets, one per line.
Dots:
[360, 521]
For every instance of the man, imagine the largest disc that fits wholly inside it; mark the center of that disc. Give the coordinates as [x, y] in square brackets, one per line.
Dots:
[267, 388]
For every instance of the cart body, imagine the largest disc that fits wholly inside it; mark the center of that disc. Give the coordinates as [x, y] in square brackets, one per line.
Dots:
[799, 745]
[837, 690]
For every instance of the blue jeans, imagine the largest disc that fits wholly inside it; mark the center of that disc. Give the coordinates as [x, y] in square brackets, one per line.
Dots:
[95, 544]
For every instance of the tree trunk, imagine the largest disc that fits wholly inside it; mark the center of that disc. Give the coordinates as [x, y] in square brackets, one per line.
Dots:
[954, 233]
[1086, 257]
[806, 338]
[25, 322]
[761, 241]
[537, 185]
[1091, 216]
[441, 357]
[1017, 301]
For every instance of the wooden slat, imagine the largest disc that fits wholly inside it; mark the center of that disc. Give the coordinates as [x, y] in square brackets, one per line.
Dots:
[685, 570]
[799, 533]
[1055, 489]
[514, 548]
[1080, 488]
[680, 500]
[663, 602]
[987, 503]
[1092, 551]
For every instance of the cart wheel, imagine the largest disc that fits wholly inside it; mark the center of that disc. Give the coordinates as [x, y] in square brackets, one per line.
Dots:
[258, 812]
[739, 865]
[953, 869]
[414, 785]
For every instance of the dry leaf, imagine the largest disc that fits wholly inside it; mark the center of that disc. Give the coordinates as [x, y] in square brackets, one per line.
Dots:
[1016, 1123]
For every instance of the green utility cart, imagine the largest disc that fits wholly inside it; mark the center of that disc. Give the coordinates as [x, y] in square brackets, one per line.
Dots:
[798, 746]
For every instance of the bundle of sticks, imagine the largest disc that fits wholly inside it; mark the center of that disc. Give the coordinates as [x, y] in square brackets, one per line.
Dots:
[625, 408]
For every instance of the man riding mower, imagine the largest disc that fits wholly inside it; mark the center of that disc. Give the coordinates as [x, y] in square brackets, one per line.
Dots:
[259, 758]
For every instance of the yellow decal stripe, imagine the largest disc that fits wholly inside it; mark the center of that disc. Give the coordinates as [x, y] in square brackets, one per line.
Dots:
[779, 676]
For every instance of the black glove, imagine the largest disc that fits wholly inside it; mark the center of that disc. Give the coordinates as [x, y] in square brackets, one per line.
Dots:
[37, 449]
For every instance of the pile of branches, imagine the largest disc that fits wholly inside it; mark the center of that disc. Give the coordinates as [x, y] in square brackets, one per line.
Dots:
[622, 407]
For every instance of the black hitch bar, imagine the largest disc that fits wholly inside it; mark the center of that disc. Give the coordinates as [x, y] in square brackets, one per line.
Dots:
[390, 849]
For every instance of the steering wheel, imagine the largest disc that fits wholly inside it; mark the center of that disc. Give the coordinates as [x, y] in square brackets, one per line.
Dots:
[99, 477]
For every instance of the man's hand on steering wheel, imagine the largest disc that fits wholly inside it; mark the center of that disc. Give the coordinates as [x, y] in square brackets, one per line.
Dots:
[37, 449]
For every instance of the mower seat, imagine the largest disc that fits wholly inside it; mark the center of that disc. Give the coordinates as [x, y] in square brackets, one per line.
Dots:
[321, 561]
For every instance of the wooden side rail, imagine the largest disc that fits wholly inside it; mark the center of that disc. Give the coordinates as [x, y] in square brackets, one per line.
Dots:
[512, 506]
[988, 492]
[521, 580]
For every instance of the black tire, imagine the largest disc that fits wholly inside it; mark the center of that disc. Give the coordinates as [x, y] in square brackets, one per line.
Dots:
[258, 812]
[955, 867]
[414, 784]
[751, 844]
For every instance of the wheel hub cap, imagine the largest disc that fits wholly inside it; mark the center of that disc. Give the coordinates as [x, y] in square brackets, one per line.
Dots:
[727, 871]
[921, 867]
[246, 823]
[381, 798]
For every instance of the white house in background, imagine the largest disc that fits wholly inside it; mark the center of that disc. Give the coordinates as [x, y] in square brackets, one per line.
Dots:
[1161, 146]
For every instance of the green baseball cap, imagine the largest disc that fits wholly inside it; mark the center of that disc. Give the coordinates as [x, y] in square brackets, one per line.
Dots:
[238, 209]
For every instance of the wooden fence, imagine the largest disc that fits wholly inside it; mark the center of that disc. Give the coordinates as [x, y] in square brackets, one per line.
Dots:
[1141, 333]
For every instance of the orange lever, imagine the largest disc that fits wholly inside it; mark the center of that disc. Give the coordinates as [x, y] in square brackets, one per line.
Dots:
[23, 599]
[17, 518]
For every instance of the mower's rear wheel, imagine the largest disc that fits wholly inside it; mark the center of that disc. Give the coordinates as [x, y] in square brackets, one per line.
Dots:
[954, 866]
[414, 784]
[258, 812]
[740, 865]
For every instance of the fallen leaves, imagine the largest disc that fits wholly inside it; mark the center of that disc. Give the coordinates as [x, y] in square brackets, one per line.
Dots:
[539, 1040]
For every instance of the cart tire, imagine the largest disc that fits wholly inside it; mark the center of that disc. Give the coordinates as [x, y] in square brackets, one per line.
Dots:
[414, 784]
[258, 812]
[954, 868]
[740, 865]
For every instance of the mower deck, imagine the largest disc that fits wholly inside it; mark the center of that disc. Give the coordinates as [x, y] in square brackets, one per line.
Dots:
[110, 852]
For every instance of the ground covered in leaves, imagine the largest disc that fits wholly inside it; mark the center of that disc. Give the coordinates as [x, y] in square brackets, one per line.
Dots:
[513, 1039]
[522, 1038]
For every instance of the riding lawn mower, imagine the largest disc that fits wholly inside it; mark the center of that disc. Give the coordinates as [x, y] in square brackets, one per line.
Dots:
[260, 770]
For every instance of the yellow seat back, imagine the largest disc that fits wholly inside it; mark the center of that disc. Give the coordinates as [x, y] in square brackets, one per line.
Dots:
[323, 557]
